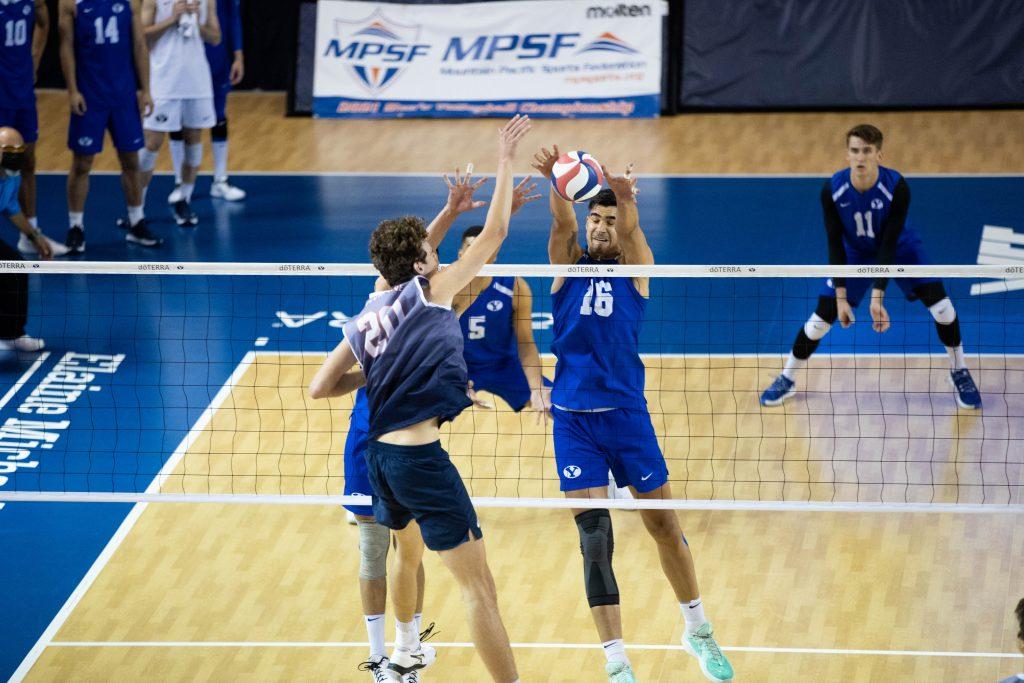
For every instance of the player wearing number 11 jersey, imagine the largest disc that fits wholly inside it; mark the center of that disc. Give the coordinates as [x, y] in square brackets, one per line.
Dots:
[601, 420]
[865, 208]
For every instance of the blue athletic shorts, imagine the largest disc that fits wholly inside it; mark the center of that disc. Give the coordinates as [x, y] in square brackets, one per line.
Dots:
[357, 475]
[421, 483]
[910, 254]
[622, 440]
[85, 132]
[508, 382]
[24, 120]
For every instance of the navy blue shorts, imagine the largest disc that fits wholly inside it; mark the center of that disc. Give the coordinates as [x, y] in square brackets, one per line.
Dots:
[622, 440]
[357, 474]
[421, 483]
[24, 120]
[907, 254]
[85, 132]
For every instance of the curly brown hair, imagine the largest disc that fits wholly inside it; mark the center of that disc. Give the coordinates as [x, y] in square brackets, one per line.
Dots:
[395, 246]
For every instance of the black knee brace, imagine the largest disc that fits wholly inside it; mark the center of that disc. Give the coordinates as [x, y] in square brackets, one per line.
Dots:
[827, 309]
[597, 544]
[930, 293]
[178, 135]
[804, 346]
[949, 334]
[219, 133]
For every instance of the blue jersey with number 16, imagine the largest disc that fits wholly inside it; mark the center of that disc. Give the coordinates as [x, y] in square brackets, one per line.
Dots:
[596, 341]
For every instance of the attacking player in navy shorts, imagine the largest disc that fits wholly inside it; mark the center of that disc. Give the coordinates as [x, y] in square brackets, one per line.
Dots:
[601, 420]
[23, 28]
[103, 55]
[227, 68]
[865, 209]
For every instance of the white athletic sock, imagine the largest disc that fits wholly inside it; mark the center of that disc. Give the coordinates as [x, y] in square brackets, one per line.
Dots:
[220, 160]
[407, 637]
[76, 219]
[792, 365]
[186, 191]
[135, 214]
[33, 221]
[693, 613]
[375, 630]
[956, 357]
[177, 158]
[418, 620]
[615, 651]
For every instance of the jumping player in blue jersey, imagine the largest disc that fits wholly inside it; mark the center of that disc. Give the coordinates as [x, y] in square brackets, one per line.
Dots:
[408, 344]
[24, 25]
[865, 209]
[375, 538]
[106, 65]
[601, 420]
[227, 68]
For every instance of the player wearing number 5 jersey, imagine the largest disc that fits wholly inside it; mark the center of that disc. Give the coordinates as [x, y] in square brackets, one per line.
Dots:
[601, 420]
[865, 209]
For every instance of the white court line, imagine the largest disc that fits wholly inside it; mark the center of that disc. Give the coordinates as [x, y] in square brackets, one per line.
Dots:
[767, 356]
[527, 646]
[24, 378]
[129, 522]
[421, 174]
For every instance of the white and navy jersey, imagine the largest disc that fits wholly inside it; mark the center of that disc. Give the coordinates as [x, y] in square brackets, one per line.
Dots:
[410, 350]
[17, 72]
[597, 343]
[865, 215]
[177, 61]
[104, 56]
[488, 326]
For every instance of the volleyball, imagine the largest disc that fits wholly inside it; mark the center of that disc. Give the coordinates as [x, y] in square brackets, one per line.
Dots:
[577, 176]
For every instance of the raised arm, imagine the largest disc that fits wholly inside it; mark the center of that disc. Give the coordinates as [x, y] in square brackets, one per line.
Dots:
[337, 376]
[447, 283]
[564, 242]
[460, 200]
[635, 250]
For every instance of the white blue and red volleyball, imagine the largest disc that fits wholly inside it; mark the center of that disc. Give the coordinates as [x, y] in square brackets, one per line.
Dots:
[577, 176]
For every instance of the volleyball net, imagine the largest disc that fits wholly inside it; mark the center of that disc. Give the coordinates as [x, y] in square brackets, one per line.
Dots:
[188, 382]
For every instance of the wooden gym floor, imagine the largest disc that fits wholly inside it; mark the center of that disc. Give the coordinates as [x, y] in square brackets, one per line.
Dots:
[266, 592]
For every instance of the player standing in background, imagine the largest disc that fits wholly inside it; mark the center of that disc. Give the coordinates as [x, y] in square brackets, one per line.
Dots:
[865, 209]
[409, 345]
[374, 538]
[181, 85]
[227, 68]
[14, 286]
[601, 420]
[23, 28]
[103, 55]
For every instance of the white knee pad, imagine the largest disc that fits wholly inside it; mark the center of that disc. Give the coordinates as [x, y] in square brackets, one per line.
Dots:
[943, 312]
[816, 328]
[374, 540]
[147, 159]
[194, 155]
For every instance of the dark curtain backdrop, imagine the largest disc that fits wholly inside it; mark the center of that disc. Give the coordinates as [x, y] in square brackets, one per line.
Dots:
[269, 32]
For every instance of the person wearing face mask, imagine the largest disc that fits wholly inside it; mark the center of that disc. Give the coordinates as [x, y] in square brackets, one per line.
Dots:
[14, 286]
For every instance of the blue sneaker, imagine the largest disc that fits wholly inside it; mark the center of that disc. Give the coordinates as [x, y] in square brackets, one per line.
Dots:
[967, 394]
[781, 389]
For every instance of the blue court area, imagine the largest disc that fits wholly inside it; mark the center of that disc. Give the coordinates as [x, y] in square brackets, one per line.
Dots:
[133, 361]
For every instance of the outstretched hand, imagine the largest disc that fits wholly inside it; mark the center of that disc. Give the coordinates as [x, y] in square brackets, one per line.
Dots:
[521, 194]
[477, 401]
[460, 192]
[544, 161]
[624, 186]
[510, 135]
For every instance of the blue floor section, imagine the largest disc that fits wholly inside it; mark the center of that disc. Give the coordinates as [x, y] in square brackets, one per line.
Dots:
[175, 341]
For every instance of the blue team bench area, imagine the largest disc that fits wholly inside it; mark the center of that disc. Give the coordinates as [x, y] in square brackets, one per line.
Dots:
[137, 359]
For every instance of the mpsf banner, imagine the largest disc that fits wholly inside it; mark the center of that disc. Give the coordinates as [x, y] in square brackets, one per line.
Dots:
[545, 58]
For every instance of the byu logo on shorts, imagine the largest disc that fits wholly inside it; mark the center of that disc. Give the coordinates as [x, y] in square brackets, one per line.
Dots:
[494, 305]
[161, 118]
[571, 471]
[118, 8]
[85, 141]
[876, 203]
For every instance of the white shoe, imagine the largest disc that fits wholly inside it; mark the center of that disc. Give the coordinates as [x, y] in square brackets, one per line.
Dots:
[378, 668]
[222, 189]
[175, 195]
[24, 343]
[404, 662]
[25, 246]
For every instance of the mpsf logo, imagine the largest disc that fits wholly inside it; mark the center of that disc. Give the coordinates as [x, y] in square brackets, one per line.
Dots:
[375, 48]
[609, 42]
